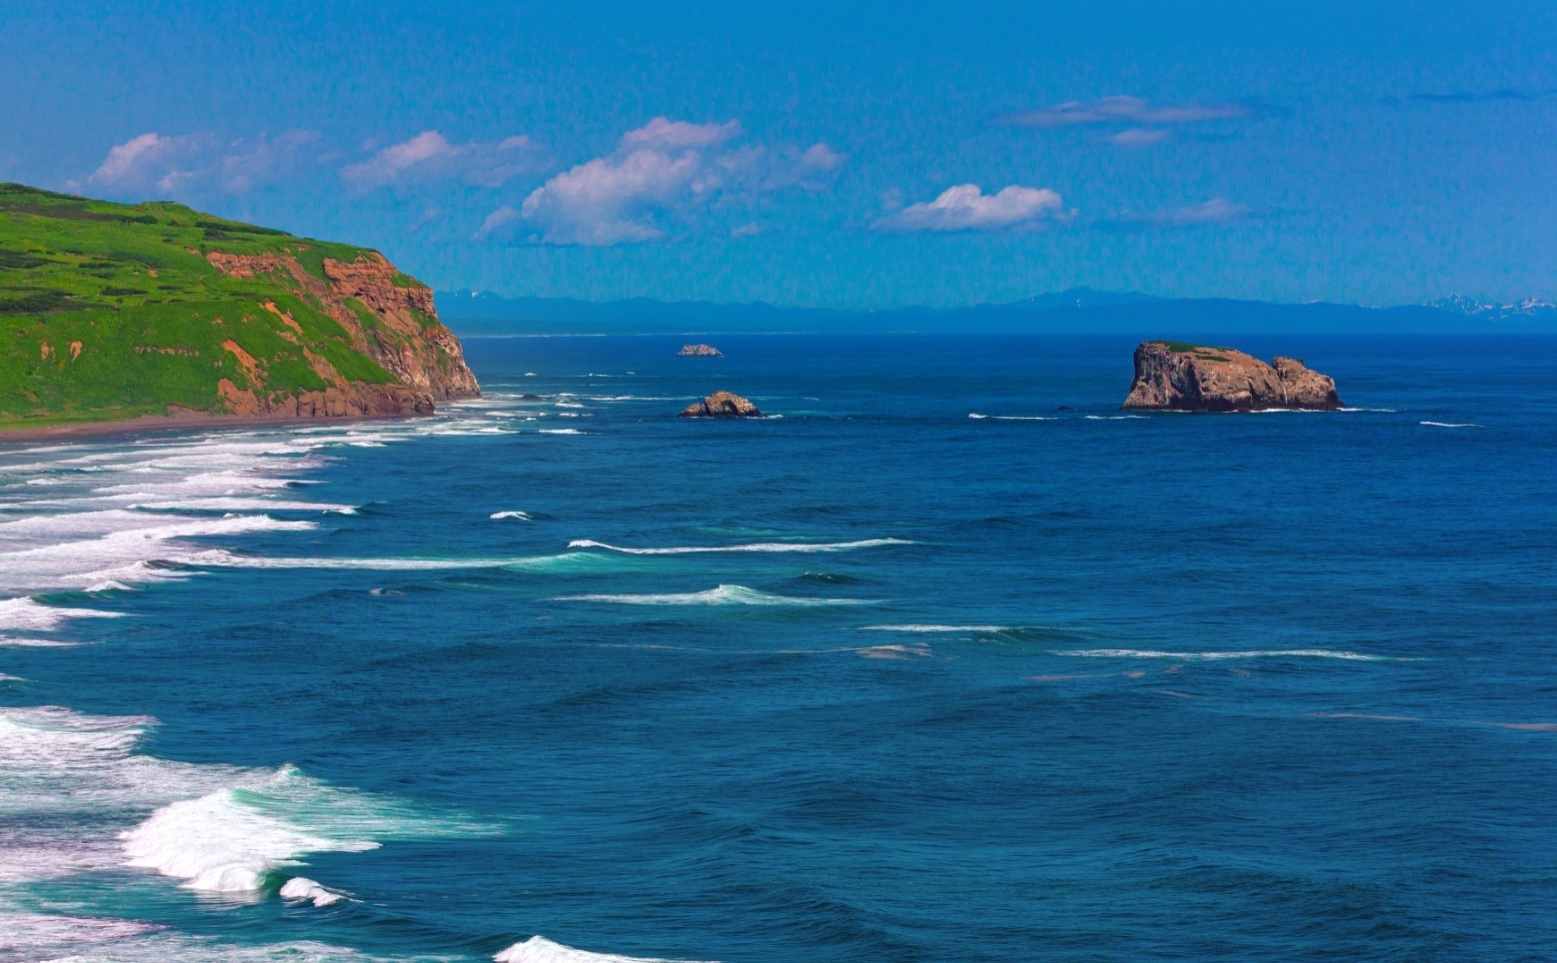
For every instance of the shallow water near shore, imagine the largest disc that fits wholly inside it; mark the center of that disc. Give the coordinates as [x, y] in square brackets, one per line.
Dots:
[925, 669]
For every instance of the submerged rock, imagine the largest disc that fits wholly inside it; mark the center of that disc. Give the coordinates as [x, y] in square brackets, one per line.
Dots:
[1175, 376]
[722, 404]
[699, 351]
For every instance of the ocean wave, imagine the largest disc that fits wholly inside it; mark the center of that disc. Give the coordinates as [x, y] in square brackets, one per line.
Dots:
[1013, 417]
[1243, 654]
[560, 431]
[300, 887]
[30, 615]
[566, 561]
[538, 949]
[806, 547]
[526, 516]
[1114, 417]
[931, 628]
[830, 578]
[722, 595]
[1449, 424]
[238, 839]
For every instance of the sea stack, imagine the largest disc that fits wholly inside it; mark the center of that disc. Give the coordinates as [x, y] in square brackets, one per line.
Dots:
[699, 351]
[1177, 376]
[722, 404]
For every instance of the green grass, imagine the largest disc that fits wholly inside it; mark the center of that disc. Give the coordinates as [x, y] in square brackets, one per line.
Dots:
[131, 285]
[1198, 350]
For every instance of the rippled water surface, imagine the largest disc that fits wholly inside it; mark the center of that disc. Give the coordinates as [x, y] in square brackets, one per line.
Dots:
[925, 669]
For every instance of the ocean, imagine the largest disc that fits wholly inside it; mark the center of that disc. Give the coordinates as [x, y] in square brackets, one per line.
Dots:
[923, 668]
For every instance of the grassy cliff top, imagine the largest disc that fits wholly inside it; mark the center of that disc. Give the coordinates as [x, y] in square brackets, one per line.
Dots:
[1198, 350]
[112, 310]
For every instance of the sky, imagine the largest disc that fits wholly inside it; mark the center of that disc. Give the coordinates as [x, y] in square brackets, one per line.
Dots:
[851, 155]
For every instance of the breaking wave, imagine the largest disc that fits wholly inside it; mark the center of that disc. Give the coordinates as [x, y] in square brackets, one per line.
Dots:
[722, 595]
[752, 547]
[538, 949]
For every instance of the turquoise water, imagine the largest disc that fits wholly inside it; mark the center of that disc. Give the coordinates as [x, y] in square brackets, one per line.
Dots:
[924, 670]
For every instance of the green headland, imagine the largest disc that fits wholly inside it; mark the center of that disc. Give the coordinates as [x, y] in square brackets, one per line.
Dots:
[113, 311]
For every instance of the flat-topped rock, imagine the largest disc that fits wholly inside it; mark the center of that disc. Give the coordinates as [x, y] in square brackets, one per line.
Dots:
[1176, 376]
[722, 404]
[699, 351]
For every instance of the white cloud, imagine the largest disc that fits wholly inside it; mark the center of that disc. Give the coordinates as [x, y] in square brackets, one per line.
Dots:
[252, 161]
[664, 134]
[967, 208]
[142, 161]
[1138, 137]
[661, 175]
[1122, 110]
[430, 156]
[392, 163]
[499, 220]
[197, 164]
[1218, 210]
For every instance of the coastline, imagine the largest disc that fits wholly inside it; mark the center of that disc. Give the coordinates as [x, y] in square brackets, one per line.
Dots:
[155, 423]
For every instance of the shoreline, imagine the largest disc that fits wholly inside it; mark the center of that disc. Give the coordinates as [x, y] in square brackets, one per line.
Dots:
[141, 424]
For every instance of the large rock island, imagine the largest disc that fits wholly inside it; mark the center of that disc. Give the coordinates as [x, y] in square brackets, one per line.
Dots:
[1176, 376]
[721, 404]
[156, 311]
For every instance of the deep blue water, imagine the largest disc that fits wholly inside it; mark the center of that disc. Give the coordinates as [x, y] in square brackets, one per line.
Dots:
[1042, 685]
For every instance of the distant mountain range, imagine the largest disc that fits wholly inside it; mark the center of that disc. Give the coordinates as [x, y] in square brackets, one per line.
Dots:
[1528, 309]
[1073, 311]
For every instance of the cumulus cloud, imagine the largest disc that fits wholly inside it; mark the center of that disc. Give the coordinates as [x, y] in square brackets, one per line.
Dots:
[1122, 110]
[660, 175]
[967, 208]
[430, 156]
[179, 166]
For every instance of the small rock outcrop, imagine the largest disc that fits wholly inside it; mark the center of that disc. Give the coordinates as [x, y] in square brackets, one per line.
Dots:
[722, 404]
[1175, 376]
[699, 351]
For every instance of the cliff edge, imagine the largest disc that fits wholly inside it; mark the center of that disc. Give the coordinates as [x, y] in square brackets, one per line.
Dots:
[114, 311]
[1176, 376]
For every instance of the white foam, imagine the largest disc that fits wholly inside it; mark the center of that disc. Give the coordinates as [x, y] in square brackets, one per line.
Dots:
[984, 629]
[29, 615]
[222, 559]
[1211, 656]
[1448, 424]
[722, 595]
[538, 949]
[1114, 417]
[513, 514]
[807, 547]
[1014, 417]
[238, 838]
[299, 887]
[36, 934]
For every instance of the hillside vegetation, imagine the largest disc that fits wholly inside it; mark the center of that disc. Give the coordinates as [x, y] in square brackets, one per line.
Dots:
[112, 311]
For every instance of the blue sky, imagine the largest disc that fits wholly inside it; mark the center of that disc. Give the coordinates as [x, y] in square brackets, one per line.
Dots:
[851, 155]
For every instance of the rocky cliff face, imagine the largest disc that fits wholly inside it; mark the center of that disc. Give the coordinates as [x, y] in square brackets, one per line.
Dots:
[390, 318]
[1172, 376]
